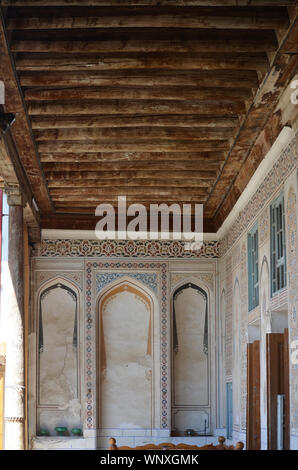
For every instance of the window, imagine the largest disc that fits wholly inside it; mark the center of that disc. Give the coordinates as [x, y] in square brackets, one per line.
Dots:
[278, 249]
[253, 271]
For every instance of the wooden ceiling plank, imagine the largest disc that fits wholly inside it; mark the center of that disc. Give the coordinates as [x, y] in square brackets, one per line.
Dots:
[112, 170]
[139, 133]
[157, 146]
[251, 18]
[143, 46]
[135, 182]
[83, 122]
[164, 93]
[135, 107]
[138, 78]
[257, 61]
[210, 157]
[121, 3]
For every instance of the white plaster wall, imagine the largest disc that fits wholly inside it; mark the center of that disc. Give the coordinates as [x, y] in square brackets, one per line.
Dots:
[126, 381]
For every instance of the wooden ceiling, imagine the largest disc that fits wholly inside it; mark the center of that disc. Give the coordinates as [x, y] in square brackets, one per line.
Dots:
[161, 101]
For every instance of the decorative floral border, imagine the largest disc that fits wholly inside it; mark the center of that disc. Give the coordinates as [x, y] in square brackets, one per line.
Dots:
[99, 267]
[124, 249]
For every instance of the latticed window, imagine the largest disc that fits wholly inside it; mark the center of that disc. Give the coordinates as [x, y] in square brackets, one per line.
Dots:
[278, 248]
[253, 269]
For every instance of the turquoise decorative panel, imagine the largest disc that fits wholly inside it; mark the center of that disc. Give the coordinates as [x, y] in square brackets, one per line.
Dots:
[148, 279]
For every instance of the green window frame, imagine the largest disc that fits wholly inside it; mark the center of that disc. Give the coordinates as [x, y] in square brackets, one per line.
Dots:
[253, 268]
[278, 245]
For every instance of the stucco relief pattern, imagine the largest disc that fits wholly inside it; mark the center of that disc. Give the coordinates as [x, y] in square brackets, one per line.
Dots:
[229, 307]
[282, 168]
[292, 254]
[43, 276]
[235, 257]
[207, 278]
[243, 332]
[93, 268]
[264, 226]
[125, 249]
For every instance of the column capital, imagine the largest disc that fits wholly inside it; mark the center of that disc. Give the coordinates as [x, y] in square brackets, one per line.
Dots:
[15, 195]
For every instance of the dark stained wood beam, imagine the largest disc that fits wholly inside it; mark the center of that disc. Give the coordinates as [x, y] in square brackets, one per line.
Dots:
[21, 130]
[164, 93]
[135, 107]
[138, 78]
[143, 17]
[90, 122]
[225, 43]
[210, 158]
[92, 62]
[121, 3]
[150, 171]
[131, 134]
[151, 146]
[74, 220]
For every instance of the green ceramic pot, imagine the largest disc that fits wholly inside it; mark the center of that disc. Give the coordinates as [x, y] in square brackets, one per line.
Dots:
[60, 430]
[44, 432]
[76, 431]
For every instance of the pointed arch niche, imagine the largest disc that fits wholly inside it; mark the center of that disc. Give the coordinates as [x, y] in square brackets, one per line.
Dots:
[127, 357]
[190, 359]
[58, 384]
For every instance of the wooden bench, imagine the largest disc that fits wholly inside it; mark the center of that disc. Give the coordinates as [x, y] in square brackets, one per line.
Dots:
[169, 446]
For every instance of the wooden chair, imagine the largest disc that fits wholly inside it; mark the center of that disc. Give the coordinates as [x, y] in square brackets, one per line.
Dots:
[170, 446]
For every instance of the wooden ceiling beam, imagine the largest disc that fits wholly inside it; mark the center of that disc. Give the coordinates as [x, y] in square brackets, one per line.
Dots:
[157, 146]
[114, 170]
[158, 191]
[138, 133]
[55, 174]
[178, 120]
[91, 205]
[112, 107]
[201, 157]
[137, 3]
[222, 44]
[135, 182]
[66, 220]
[142, 17]
[21, 130]
[138, 78]
[135, 198]
[164, 93]
[231, 61]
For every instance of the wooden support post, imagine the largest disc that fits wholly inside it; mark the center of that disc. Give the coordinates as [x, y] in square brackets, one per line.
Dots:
[14, 413]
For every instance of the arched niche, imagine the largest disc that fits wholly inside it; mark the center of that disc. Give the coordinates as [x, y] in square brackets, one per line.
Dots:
[127, 357]
[190, 358]
[58, 334]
